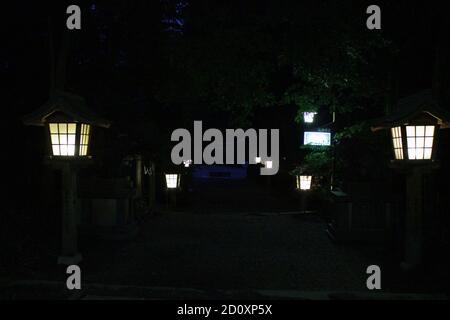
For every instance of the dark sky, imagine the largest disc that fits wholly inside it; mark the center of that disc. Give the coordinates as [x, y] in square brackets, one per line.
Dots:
[416, 28]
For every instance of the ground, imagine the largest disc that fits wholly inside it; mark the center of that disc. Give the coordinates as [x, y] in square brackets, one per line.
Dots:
[233, 251]
[247, 240]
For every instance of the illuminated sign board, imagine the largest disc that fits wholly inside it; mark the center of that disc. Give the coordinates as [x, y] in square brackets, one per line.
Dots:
[317, 138]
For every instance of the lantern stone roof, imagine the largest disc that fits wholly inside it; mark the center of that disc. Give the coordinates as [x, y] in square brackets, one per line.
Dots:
[69, 104]
[412, 106]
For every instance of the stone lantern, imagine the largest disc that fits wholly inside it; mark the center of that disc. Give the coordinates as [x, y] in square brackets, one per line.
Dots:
[414, 130]
[69, 131]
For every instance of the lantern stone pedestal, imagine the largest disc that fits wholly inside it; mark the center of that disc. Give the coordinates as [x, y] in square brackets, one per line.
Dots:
[415, 207]
[303, 201]
[69, 214]
[171, 195]
[69, 238]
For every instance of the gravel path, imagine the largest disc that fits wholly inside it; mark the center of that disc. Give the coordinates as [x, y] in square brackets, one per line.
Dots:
[232, 238]
[233, 251]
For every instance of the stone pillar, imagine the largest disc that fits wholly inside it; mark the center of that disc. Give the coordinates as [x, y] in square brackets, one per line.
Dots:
[151, 184]
[138, 163]
[69, 247]
[414, 217]
[303, 195]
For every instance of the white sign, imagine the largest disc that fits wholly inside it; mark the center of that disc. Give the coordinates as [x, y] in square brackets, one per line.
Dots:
[317, 138]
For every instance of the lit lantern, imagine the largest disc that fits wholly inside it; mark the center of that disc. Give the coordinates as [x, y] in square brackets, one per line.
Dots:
[269, 164]
[257, 160]
[308, 117]
[69, 125]
[413, 128]
[304, 182]
[172, 180]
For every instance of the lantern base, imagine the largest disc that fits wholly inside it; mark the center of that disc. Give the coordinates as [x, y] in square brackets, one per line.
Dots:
[59, 162]
[406, 164]
[408, 267]
[70, 260]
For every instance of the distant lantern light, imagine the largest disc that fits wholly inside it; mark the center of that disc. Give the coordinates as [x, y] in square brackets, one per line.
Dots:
[172, 181]
[69, 139]
[187, 163]
[269, 164]
[258, 160]
[304, 182]
[308, 117]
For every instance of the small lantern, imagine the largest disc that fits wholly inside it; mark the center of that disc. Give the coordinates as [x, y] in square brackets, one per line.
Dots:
[257, 160]
[308, 117]
[172, 180]
[269, 164]
[303, 182]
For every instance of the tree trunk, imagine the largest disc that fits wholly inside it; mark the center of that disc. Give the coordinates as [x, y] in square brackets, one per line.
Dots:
[58, 58]
[441, 78]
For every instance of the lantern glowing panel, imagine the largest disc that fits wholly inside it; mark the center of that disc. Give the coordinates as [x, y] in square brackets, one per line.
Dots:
[64, 139]
[63, 136]
[419, 142]
[397, 142]
[172, 181]
[269, 164]
[84, 139]
[304, 182]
